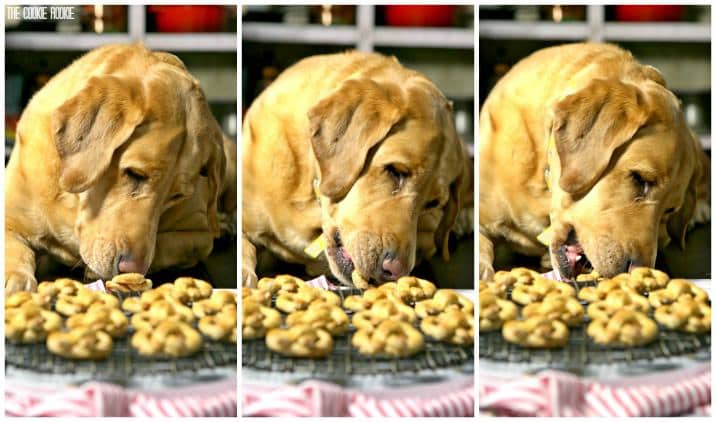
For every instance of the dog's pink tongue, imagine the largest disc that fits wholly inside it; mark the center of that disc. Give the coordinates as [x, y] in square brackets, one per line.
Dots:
[573, 252]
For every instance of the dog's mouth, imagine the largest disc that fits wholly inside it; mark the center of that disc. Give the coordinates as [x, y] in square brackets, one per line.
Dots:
[571, 258]
[340, 256]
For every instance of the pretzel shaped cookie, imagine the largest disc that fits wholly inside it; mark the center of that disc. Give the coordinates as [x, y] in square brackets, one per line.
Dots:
[389, 338]
[194, 288]
[507, 279]
[171, 338]
[30, 323]
[101, 318]
[220, 326]
[677, 289]
[80, 343]
[214, 304]
[536, 332]
[321, 315]
[603, 288]
[624, 328]
[590, 277]
[686, 314]
[281, 283]
[128, 283]
[21, 298]
[256, 319]
[452, 326]
[162, 311]
[261, 296]
[384, 309]
[300, 341]
[412, 289]
[644, 279]
[615, 301]
[291, 302]
[443, 300]
[494, 311]
[60, 287]
[136, 305]
[80, 303]
[499, 290]
[358, 303]
[565, 309]
[539, 289]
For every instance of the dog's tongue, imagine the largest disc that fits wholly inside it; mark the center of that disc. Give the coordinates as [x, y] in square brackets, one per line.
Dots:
[574, 254]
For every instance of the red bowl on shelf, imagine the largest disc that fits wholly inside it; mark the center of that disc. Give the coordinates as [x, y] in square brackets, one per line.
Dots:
[417, 15]
[188, 18]
[633, 13]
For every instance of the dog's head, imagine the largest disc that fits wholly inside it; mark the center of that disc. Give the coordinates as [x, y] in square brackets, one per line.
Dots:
[392, 174]
[626, 174]
[138, 145]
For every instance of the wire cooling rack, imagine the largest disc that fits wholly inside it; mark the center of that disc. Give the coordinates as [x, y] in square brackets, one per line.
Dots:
[581, 350]
[345, 360]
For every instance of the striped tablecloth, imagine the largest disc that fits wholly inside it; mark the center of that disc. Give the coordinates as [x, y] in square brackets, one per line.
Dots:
[552, 393]
[317, 398]
[103, 399]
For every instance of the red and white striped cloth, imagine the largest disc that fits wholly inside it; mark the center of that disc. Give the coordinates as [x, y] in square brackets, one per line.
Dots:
[553, 393]
[102, 399]
[316, 398]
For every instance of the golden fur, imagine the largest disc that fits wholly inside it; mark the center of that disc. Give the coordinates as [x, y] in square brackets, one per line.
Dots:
[118, 162]
[625, 172]
[380, 143]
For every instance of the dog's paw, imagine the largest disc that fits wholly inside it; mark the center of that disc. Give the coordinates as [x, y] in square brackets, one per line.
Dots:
[464, 223]
[248, 278]
[486, 271]
[16, 282]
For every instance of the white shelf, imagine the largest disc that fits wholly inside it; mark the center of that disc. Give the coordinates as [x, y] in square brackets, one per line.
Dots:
[507, 29]
[455, 38]
[299, 34]
[666, 32]
[87, 41]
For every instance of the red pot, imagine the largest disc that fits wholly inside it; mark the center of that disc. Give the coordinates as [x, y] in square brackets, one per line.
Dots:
[188, 18]
[414, 15]
[649, 13]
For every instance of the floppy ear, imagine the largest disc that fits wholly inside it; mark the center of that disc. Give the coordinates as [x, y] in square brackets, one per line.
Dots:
[90, 126]
[461, 196]
[589, 125]
[696, 207]
[346, 125]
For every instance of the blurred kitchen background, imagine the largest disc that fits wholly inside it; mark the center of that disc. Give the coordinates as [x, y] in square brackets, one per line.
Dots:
[676, 39]
[203, 37]
[435, 40]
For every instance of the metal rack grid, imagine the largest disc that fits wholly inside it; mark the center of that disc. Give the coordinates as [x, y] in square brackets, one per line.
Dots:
[345, 360]
[123, 361]
[581, 350]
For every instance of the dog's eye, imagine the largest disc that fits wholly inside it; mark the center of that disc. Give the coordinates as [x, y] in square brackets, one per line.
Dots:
[397, 174]
[204, 171]
[643, 185]
[669, 211]
[135, 176]
[432, 204]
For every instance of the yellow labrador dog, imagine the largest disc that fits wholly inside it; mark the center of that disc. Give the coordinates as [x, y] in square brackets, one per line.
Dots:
[588, 148]
[118, 165]
[359, 149]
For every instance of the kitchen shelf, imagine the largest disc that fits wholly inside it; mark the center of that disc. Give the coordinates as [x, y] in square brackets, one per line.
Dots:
[365, 36]
[299, 34]
[195, 42]
[596, 29]
[87, 41]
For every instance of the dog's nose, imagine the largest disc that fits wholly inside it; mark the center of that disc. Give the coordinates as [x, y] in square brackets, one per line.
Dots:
[393, 268]
[128, 265]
